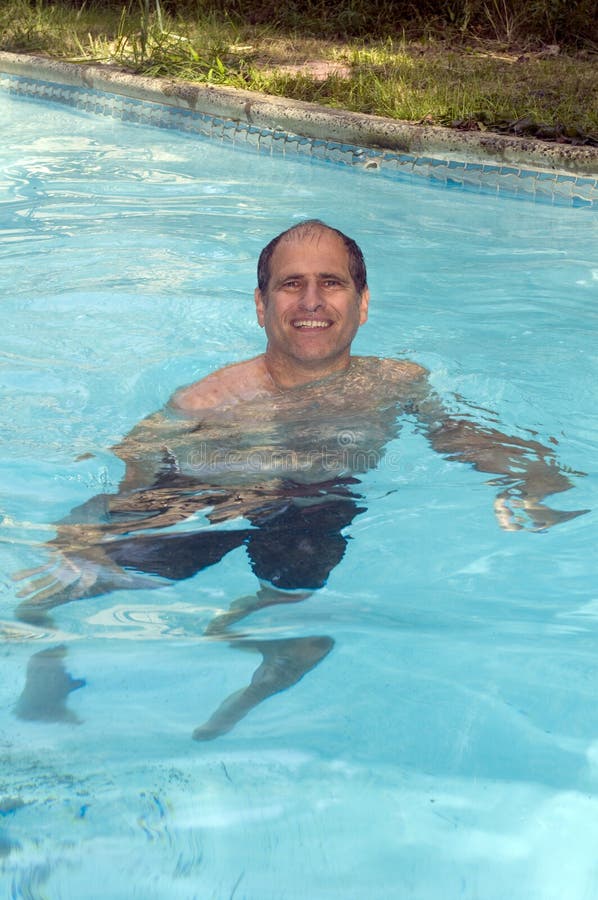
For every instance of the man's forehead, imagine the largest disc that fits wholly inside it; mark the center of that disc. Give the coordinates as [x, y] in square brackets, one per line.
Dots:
[302, 241]
[313, 233]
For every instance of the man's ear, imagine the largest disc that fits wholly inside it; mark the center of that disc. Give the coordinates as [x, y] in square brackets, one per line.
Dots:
[364, 303]
[260, 306]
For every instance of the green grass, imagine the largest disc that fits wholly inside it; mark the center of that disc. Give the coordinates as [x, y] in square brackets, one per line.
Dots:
[464, 81]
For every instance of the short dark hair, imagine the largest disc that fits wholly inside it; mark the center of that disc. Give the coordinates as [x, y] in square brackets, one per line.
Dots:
[356, 261]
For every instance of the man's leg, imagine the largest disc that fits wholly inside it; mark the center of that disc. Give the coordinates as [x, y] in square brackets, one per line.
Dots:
[292, 553]
[284, 663]
[266, 595]
[132, 563]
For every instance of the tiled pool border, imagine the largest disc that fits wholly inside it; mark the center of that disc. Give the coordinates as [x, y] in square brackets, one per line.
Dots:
[160, 104]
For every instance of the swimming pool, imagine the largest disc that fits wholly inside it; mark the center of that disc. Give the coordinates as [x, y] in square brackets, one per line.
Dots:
[447, 746]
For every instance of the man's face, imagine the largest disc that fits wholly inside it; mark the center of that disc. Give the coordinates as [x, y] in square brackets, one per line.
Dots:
[311, 309]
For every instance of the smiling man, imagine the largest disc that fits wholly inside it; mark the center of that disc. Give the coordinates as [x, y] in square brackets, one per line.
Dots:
[272, 447]
[311, 298]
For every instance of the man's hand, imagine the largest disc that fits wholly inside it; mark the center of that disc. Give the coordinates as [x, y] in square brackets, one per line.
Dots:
[527, 513]
[73, 575]
[528, 469]
[60, 580]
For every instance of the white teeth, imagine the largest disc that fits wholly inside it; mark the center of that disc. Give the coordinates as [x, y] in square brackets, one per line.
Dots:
[310, 323]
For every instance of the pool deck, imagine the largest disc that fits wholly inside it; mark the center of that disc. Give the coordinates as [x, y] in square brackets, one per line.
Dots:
[312, 121]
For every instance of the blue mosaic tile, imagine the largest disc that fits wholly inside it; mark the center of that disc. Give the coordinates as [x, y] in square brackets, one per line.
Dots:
[389, 163]
[303, 148]
[319, 150]
[431, 161]
[582, 201]
[480, 176]
[509, 182]
[528, 173]
[438, 174]
[567, 188]
[336, 154]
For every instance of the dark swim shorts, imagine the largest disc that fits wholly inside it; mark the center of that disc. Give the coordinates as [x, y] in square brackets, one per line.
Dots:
[294, 543]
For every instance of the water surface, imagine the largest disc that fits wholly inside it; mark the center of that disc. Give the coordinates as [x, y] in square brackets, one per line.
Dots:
[447, 745]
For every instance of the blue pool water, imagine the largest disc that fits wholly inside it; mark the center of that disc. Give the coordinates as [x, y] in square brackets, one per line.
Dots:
[447, 747]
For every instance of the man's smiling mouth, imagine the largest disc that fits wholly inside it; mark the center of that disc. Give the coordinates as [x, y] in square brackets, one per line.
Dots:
[311, 323]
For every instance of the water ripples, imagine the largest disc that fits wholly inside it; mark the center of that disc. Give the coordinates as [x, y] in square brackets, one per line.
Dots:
[457, 705]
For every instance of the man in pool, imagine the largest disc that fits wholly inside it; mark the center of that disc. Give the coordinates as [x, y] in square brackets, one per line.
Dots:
[278, 441]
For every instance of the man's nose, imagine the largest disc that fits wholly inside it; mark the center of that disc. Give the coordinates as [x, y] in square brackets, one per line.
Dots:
[311, 298]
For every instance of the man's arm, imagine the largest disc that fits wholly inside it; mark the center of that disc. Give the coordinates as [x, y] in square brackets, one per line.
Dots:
[527, 470]
[79, 565]
[145, 450]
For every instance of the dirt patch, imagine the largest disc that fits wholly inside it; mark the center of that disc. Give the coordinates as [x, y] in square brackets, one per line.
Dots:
[316, 69]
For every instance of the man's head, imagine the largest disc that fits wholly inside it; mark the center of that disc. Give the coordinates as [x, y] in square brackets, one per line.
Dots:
[312, 299]
[304, 229]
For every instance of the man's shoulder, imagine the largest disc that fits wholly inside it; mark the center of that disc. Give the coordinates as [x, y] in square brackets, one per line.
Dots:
[393, 369]
[226, 387]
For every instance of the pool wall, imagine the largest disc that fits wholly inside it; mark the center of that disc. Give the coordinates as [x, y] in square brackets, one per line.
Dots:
[550, 172]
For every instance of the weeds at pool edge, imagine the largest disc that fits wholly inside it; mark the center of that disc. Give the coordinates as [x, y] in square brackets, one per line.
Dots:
[449, 77]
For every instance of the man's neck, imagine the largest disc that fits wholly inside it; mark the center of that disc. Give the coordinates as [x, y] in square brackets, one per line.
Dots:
[285, 376]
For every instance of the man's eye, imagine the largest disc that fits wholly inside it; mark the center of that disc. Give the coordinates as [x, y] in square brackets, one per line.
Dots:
[291, 285]
[331, 282]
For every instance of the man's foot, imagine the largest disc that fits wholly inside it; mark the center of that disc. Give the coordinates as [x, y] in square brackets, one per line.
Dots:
[47, 688]
[244, 606]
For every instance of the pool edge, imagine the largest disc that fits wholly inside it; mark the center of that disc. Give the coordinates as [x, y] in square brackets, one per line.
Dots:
[310, 120]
